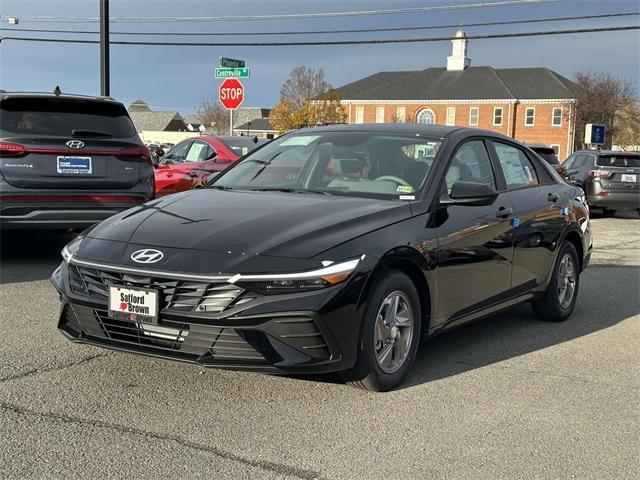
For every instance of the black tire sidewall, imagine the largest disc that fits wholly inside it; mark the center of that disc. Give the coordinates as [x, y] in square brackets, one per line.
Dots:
[366, 364]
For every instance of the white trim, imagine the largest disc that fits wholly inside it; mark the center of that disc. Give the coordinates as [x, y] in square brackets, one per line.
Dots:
[458, 101]
[378, 111]
[404, 114]
[355, 120]
[555, 145]
[533, 124]
[334, 269]
[501, 116]
[477, 116]
[553, 116]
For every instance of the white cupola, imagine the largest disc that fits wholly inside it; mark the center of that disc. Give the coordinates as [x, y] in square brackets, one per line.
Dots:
[458, 60]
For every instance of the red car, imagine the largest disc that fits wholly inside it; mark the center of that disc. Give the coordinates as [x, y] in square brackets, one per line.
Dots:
[190, 162]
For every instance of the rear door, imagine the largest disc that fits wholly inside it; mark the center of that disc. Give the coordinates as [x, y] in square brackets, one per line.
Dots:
[65, 143]
[538, 218]
[619, 172]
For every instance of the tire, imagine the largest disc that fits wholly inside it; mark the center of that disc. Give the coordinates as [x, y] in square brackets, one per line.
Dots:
[553, 306]
[400, 346]
[609, 212]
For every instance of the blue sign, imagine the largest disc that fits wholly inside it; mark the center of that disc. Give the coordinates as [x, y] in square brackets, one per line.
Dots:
[594, 134]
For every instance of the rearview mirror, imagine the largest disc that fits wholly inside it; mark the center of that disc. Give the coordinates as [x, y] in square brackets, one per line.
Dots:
[470, 193]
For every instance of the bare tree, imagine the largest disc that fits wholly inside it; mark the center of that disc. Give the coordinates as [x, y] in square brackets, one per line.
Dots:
[602, 98]
[214, 117]
[306, 99]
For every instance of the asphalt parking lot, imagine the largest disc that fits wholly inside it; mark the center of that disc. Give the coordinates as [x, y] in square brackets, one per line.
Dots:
[507, 397]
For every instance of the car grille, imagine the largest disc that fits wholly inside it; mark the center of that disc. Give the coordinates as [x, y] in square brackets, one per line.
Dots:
[175, 295]
[187, 341]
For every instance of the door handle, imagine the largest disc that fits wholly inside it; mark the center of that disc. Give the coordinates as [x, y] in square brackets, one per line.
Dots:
[504, 212]
[553, 197]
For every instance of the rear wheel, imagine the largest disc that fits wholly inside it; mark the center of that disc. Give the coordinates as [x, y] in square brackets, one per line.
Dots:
[389, 335]
[559, 299]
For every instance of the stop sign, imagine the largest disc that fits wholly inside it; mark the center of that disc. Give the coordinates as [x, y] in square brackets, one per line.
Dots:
[231, 93]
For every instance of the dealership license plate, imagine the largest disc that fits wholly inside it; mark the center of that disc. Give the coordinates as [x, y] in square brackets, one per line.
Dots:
[133, 304]
[628, 178]
[74, 165]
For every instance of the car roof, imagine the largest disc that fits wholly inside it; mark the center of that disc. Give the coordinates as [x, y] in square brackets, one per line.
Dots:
[607, 152]
[437, 131]
[68, 96]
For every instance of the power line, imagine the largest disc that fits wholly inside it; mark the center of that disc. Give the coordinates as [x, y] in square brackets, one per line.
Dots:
[330, 42]
[288, 16]
[317, 32]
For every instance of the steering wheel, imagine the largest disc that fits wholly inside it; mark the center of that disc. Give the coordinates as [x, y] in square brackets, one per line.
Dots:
[393, 178]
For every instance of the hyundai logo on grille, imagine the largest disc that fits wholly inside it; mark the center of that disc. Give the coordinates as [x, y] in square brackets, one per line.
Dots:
[147, 255]
[75, 144]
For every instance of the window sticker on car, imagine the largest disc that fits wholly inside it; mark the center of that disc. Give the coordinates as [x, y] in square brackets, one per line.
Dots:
[299, 140]
[405, 189]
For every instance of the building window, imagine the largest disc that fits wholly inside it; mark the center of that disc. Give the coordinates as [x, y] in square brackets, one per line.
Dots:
[359, 114]
[556, 119]
[497, 116]
[426, 116]
[379, 114]
[556, 149]
[451, 115]
[473, 116]
[530, 116]
[401, 113]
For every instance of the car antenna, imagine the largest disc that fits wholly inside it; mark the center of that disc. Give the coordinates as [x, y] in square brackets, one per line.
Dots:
[57, 91]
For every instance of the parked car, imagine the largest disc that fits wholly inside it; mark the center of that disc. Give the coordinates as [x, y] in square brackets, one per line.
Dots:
[190, 162]
[332, 249]
[611, 180]
[548, 154]
[68, 161]
[166, 146]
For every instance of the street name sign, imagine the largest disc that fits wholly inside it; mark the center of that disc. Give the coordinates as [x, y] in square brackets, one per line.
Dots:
[227, 72]
[231, 62]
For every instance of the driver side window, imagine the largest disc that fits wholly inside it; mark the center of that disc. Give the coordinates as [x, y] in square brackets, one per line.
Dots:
[471, 163]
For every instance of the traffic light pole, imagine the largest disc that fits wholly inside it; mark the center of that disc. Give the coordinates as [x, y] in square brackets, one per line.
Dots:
[104, 48]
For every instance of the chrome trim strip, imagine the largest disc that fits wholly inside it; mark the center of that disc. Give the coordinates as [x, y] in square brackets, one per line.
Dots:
[334, 269]
[155, 273]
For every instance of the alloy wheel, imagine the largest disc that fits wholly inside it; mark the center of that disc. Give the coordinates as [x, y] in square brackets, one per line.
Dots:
[566, 280]
[393, 331]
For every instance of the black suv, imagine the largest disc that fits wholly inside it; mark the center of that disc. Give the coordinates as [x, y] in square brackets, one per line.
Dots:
[68, 161]
[611, 180]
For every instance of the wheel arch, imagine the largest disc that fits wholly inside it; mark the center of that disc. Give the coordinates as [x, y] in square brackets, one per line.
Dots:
[414, 265]
[574, 237]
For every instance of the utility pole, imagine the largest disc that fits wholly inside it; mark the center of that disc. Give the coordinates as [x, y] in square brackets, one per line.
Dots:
[104, 48]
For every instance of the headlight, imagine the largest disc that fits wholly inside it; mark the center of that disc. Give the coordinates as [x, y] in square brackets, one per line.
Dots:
[71, 248]
[271, 284]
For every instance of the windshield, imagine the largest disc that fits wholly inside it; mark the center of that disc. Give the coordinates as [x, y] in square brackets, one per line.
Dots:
[65, 117]
[369, 164]
[629, 161]
[240, 145]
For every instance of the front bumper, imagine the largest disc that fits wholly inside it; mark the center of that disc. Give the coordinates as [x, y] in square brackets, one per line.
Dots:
[312, 332]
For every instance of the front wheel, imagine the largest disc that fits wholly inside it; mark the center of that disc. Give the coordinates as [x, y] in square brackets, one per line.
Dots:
[559, 299]
[389, 335]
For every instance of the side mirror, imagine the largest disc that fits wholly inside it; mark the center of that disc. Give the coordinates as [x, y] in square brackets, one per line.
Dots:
[470, 193]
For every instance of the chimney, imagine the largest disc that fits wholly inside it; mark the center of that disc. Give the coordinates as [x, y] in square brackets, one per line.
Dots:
[458, 60]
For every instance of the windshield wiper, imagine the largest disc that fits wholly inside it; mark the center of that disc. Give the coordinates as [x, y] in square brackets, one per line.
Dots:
[89, 133]
[220, 187]
[290, 190]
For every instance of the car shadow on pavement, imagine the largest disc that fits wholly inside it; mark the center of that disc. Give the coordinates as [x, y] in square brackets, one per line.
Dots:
[608, 295]
[29, 255]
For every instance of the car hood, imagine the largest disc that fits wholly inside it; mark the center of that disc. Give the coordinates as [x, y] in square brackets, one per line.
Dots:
[251, 223]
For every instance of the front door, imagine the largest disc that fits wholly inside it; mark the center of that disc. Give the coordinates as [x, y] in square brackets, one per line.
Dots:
[475, 243]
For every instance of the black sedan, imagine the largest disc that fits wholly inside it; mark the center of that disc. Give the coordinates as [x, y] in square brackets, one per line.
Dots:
[333, 249]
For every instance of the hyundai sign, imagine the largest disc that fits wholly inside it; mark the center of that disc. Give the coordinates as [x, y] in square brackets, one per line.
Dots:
[594, 134]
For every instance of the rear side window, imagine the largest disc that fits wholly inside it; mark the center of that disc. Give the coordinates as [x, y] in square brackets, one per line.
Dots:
[60, 117]
[240, 145]
[629, 161]
[518, 170]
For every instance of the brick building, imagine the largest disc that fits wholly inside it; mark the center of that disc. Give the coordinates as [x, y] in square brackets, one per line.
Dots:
[534, 105]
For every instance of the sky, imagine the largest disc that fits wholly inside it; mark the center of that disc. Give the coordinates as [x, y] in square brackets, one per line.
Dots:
[180, 78]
